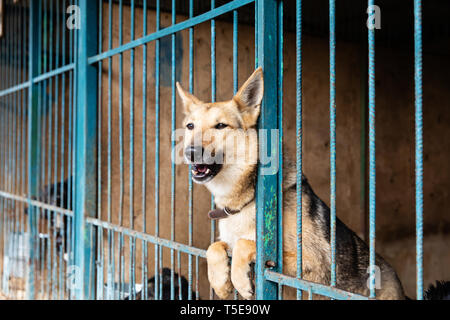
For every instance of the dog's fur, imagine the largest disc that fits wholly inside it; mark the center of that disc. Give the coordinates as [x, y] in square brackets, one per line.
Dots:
[439, 292]
[180, 283]
[233, 186]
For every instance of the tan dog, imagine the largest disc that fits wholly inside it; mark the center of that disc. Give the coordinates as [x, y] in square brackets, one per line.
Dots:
[210, 128]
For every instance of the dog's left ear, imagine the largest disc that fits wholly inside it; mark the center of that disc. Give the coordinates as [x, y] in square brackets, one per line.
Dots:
[190, 102]
[249, 97]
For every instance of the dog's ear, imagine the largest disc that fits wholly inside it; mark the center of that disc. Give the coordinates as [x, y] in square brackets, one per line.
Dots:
[249, 97]
[189, 100]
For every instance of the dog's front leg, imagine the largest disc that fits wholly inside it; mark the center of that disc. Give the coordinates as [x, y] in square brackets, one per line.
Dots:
[244, 253]
[219, 269]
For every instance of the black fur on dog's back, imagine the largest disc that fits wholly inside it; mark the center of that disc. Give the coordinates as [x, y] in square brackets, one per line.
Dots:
[352, 253]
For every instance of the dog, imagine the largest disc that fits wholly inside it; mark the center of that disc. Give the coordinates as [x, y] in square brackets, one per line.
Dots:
[439, 292]
[233, 186]
[58, 195]
[166, 277]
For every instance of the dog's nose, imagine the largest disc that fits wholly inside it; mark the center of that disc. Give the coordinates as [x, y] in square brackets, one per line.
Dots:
[194, 153]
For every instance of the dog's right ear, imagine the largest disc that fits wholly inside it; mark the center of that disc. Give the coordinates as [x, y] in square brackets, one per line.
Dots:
[189, 100]
[249, 97]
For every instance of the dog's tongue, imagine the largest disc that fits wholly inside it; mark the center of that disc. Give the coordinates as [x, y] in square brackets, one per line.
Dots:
[201, 168]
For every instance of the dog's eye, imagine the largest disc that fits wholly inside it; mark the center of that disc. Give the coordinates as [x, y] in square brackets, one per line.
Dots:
[190, 126]
[221, 125]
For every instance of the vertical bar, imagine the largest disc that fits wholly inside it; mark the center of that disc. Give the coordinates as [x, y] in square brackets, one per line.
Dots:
[190, 183]
[235, 72]
[235, 51]
[86, 138]
[372, 165]
[267, 184]
[157, 134]
[419, 145]
[132, 239]
[121, 172]
[110, 266]
[34, 65]
[213, 99]
[173, 180]
[299, 137]
[15, 129]
[332, 14]
[99, 271]
[50, 214]
[144, 292]
[280, 145]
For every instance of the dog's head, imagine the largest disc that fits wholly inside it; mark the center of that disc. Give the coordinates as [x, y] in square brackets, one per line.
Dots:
[221, 136]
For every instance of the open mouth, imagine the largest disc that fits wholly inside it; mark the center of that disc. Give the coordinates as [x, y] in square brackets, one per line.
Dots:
[202, 173]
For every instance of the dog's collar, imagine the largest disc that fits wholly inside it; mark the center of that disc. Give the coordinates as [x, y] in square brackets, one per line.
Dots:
[225, 212]
[222, 213]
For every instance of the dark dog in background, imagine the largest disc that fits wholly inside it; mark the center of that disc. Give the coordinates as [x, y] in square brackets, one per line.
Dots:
[166, 287]
[439, 292]
[58, 195]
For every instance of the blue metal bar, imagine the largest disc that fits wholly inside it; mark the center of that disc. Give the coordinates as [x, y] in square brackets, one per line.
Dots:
[173, 178]
[149, 238]
[213, 99]
[235, 52]
[50, 148]
[110, 264]
[15, 88]
[372, 165]
[235, 72]
[34, 65]
[190, 184]
[121, 151]
[311, 287]
[99, 256]
[333, 140]
[299, 139]
[157, 149]
[131, 165]
[267, 184]
[419, 145]
[86, 139]
[160, 33]
[144, 155]
[37, 78]
[60, 25]
[16, 136]
[280, 144]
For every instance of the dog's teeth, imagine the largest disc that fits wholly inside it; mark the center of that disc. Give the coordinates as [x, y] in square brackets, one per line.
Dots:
[194, 172]
[207, 171]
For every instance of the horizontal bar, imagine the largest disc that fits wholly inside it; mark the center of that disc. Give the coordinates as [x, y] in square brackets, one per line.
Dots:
[36, 203]
[37, 79]
[316, 288]
[147, 237]
[236, 4]
[54, 72]
[15, 88]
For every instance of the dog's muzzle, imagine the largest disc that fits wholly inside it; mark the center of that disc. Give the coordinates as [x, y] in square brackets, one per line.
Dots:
[203, 170]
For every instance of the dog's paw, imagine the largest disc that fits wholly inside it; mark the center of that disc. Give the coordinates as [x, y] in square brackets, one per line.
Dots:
[220, 282]
[223, 290]
[219, 270]
[242, 283]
